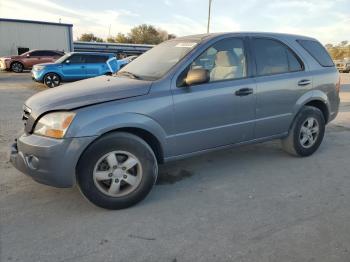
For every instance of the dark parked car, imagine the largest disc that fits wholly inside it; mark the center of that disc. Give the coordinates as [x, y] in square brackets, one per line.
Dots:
[186, 96]
[26, 60]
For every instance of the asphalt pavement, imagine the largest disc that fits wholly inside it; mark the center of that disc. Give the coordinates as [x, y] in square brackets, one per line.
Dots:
[254, 203]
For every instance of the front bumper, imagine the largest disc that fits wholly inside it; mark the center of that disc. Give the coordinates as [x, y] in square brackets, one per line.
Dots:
[38, 75]
[48, 161]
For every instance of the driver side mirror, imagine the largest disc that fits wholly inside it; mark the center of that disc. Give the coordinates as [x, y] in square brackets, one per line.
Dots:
[67, 61]
[197, 76]
[28, 55]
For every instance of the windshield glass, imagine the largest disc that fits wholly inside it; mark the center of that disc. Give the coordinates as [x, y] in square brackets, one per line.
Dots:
[156, 62]
[62, 58]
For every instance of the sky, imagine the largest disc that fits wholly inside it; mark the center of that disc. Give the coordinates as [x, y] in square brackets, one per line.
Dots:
[326, 20]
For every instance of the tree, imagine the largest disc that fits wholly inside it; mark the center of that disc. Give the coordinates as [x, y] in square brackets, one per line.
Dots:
[142, 34]
[89, 37]
[339, 51]
[145, 34]
[121, 38]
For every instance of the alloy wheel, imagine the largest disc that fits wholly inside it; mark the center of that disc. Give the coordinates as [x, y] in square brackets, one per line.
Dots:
[309, 132]
[52, 80]
[117, 173]
[17, 67]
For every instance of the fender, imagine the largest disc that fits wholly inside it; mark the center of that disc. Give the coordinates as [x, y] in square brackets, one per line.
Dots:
[312, 95]
[93, 125]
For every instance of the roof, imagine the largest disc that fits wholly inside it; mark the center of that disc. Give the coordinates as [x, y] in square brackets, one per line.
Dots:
[33, 22]
[110, 44]
[92, 53]
[201, 37]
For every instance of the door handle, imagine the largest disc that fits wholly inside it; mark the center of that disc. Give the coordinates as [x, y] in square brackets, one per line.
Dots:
[244, 91]
[304, 82]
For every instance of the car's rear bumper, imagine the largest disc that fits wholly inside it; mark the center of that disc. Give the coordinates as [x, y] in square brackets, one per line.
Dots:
[48, 161]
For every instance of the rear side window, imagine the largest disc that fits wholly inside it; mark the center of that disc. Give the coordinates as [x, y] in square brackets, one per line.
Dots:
[317, 51]
[96, 59]
[273, 57]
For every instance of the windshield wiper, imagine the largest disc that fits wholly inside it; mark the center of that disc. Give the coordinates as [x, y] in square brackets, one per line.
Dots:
[128, 74]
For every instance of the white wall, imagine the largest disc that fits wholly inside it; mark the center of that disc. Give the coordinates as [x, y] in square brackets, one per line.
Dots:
[33, 36]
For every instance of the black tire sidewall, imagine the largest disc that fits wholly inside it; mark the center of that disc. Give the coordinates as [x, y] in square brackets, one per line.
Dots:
[303, 115]
[104, 145]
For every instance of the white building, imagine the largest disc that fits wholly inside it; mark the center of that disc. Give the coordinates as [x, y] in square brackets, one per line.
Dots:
[19, 36]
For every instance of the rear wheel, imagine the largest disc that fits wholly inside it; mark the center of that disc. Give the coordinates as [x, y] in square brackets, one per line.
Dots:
[17, 67]
[306, 133]
[51, 80]
[117, 171]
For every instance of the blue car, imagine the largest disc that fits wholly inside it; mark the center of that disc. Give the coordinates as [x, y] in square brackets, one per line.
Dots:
[75, 66]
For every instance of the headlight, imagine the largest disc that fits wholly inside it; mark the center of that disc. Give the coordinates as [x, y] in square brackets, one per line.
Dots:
[39, 68]
[54, 124]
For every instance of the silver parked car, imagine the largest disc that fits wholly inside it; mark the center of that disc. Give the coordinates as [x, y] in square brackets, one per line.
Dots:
[343, 66]
[186, 96]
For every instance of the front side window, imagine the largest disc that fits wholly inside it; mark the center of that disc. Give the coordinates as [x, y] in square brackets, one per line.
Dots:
[37, 53]
[224, 60]
[273, 57]
[76, 59]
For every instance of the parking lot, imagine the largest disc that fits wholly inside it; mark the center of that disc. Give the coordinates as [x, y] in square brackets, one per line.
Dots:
[253, 203]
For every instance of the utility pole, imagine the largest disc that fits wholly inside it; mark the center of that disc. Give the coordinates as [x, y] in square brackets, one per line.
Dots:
[209, 16]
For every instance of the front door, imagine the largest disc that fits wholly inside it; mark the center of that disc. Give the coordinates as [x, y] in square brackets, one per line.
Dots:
[221, 111]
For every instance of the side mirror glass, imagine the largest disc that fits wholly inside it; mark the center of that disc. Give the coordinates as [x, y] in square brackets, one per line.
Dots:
[28, 55]
[67, 61]
[197, 76]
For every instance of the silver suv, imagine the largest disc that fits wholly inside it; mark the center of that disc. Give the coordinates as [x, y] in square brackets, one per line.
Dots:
[186, 96]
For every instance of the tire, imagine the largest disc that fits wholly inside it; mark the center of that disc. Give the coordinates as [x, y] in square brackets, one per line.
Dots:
[303, 140]
[51, 80]
[101, 178]
[17, 67]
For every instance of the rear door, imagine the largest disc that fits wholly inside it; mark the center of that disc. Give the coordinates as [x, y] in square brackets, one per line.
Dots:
[281, 80]
[74, 67]
[96, 65]
[221, 111]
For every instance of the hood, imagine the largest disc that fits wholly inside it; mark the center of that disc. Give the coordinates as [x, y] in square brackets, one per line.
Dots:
[46, 64]
[11, 57]
[86, 92]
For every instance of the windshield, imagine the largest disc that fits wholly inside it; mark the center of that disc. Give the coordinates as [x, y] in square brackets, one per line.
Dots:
[156, 62]
[62, 58]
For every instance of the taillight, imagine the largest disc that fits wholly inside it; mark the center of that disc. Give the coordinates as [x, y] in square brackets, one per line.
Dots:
[337, 85]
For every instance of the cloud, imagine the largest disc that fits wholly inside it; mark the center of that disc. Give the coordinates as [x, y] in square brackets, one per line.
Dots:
[94, 21]
[326, 20]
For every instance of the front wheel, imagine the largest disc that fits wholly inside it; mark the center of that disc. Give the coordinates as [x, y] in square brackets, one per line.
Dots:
[17, 67]
[306, 134]
[52, 80]
[117, 171]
